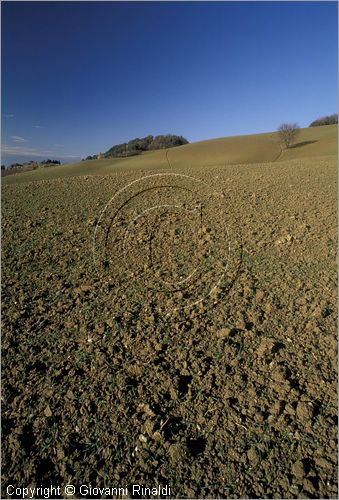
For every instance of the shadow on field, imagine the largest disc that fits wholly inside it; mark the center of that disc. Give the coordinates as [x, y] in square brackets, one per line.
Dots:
[301, 144]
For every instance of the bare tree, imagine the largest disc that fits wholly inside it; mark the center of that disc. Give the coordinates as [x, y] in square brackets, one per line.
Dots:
[288, 133]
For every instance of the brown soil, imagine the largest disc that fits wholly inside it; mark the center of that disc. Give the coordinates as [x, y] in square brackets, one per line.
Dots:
[120, 366]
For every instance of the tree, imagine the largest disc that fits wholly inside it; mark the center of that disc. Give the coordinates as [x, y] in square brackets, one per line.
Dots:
[137, 146]
[325, 120]
[167, 141]
[288, 133]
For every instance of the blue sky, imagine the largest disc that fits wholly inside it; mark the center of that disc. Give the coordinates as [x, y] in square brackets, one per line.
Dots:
[78, 77]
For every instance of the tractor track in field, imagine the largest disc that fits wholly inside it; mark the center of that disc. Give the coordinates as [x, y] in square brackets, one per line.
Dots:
[279, 155]
[167, 159]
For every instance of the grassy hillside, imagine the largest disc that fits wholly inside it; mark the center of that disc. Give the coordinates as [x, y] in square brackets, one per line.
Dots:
[259, 148]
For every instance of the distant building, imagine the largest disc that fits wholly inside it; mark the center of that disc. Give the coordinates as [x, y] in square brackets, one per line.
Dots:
[100, 156]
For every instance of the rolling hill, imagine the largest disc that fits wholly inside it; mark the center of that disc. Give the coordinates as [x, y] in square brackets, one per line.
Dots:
[246, 149]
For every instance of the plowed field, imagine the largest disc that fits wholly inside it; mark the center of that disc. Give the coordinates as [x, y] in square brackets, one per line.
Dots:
[175, 330]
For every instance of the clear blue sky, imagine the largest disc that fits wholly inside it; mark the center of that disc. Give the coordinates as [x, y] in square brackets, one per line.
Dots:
[78, 77]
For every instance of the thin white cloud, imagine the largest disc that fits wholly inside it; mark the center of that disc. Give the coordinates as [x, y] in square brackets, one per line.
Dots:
[20, 150]
[17, 138]
[38, 126]
[70, 156]
[8, 115]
